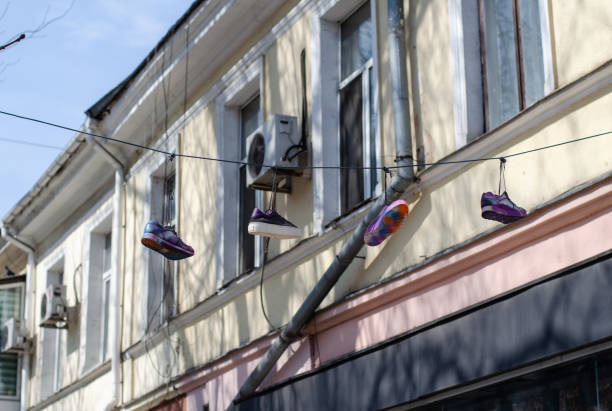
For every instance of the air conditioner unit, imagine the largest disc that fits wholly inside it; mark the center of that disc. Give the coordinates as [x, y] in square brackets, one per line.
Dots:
[11, 338]
[266, 148]
[53, 310]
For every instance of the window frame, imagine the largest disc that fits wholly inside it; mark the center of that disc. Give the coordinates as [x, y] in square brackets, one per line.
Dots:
[92, 304]
[20, 285]
[325, 44]
[244, 87]
[470, 107]
[160, 170]
[51, 339]
[243, 213]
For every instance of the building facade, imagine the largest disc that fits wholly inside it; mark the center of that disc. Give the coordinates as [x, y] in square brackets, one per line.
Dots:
[451, 312]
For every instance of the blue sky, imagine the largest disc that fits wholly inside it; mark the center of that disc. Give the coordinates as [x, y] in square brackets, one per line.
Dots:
[58, 73]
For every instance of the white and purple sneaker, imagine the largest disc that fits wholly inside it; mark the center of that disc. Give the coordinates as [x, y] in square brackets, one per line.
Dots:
[271, 224]
[500, 208]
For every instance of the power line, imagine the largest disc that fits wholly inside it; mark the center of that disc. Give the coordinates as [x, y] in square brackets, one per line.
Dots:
[240, 162]
[30, 143]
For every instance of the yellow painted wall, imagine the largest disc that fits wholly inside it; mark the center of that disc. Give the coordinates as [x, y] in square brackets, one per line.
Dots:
[198, 224]
[581, 37]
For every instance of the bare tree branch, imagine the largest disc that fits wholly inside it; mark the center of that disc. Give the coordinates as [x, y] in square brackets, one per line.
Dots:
[33, 32]
[5, 10]
[46, 22]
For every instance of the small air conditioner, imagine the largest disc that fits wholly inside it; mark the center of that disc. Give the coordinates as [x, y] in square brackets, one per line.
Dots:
[53, 310]
[11, 338]
[266, 149]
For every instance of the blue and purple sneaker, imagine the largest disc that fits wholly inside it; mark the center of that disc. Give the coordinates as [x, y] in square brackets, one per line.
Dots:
[386, 223]
[500, 208]
[165, 241]
[271, 224]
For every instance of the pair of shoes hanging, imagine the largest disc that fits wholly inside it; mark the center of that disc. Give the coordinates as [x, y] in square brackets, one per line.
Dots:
[165, 241]
[499, 207]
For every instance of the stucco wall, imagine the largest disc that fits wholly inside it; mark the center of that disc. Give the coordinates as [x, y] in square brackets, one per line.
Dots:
[581, 37]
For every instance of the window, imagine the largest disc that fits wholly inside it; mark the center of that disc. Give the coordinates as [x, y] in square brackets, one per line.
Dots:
[96, 291]
[501, 61]
[249, 121]
[345, 119]
[239, 111]
[106, 275]
[161, 296]
[11, 300]
[357, 148]
[511, 45]
[51, 368]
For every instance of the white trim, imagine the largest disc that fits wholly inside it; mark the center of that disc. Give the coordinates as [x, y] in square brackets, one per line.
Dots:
[458, 71]
[549, 75]
[50, 339]
[228, 104]
[466, 70]
[90, 327]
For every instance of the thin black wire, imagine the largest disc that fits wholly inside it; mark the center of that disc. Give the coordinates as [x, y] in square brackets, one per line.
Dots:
[240, 162]
[266, 243]
[29, 143]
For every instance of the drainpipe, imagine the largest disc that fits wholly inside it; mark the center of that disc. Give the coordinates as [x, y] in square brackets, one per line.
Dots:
[25, 367]
[115, 256]
[399, 184]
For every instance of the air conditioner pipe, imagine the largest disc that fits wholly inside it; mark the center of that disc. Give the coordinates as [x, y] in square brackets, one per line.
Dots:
[115, 256]
[399, 184]
[25, 367]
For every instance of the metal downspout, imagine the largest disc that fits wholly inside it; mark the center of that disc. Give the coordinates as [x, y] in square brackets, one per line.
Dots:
[399, 184]
[115, 264]
[25, 366]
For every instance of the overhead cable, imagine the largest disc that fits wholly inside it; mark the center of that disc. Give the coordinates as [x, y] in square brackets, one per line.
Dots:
[298, 167]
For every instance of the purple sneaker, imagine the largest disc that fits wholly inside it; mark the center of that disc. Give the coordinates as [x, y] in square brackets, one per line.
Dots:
[500, 208]
[271, 224]
[386, 223]
[165, 241]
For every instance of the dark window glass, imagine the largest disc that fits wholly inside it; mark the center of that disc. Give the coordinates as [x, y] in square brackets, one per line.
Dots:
[351, 155]
[357, 117]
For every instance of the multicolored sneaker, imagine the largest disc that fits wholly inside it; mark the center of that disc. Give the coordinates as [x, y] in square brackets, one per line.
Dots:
[388, 221]
[165, 241]
[500, 208]
[271, 224]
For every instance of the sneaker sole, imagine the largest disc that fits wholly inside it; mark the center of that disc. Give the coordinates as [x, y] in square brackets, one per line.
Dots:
[273, 230]
[163, 247]
[493, 212]
[389, 224]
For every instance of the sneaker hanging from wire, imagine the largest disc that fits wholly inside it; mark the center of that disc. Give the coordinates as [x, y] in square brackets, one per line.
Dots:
[388, 220]
[386, 223]
[165, 241]
[270, 224]
[499, 207]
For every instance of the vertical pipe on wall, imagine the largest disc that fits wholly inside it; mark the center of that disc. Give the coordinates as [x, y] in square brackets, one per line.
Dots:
[25, 366]
[399, 184]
